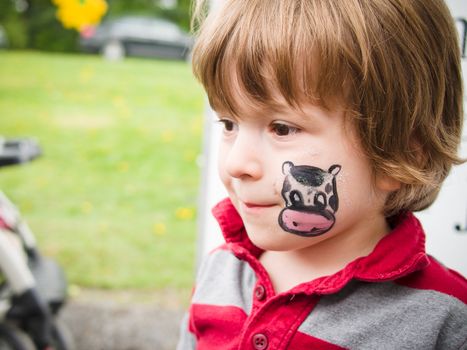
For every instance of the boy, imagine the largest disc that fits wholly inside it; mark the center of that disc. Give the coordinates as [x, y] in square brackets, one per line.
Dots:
[340, 118]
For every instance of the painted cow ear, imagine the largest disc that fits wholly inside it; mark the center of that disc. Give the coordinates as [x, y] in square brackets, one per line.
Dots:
[334, 169]
[286, 166]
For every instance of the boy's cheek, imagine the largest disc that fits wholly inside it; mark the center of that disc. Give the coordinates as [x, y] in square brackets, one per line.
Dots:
[278, 184]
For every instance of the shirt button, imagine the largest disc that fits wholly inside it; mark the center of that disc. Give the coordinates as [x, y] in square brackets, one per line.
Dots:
[260, 341]
[260, 292]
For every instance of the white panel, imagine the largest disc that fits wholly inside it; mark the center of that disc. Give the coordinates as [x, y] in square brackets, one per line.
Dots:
[212, 189]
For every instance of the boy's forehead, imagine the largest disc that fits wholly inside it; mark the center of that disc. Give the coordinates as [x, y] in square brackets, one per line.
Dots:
[264, 69]
[234, 96]
[271, 85]
[238, 102]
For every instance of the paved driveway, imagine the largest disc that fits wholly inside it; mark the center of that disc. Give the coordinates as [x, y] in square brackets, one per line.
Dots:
[123, 321]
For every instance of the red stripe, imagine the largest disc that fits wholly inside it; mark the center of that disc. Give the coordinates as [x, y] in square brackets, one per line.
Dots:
[304, 341]
[439, 278]
[217, 327]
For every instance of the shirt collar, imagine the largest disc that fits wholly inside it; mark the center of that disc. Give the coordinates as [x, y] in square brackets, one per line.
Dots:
[399, 253]
[232, 227]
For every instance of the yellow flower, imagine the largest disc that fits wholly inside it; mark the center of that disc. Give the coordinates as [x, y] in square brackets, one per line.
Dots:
[103, 227]
[78, 14]
[86, 207]
[119, 101]
[159, 229]
[167, 136]
[190, 156]
[123, 166]
[85, 74]
[185, 213]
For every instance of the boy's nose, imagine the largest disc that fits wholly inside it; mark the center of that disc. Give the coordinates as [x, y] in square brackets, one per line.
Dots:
[243, 159]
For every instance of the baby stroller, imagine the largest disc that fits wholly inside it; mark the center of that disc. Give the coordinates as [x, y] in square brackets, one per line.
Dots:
[32, 287]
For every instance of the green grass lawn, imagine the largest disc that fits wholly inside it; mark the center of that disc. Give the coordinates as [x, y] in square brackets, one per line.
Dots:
[114, 196]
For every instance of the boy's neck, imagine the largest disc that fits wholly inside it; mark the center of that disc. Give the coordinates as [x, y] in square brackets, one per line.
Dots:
[290, 268]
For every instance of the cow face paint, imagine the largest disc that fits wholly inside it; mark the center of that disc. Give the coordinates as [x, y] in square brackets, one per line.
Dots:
[311, 199]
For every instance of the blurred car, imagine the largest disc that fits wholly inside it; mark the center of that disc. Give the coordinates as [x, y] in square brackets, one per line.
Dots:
[137, 36]
[3, 38]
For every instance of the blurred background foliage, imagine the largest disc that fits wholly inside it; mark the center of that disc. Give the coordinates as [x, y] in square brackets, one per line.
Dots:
[33, 24]
[114, 196]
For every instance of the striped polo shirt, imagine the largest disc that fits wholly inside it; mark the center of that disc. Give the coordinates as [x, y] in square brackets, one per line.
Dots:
[397, 297]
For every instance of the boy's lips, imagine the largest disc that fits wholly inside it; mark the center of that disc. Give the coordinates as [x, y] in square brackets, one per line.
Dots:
[257, 205]
[251, 206]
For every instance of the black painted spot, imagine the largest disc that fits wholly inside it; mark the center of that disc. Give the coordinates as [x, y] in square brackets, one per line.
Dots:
[308, 175]
[286, 187]
[333, 202]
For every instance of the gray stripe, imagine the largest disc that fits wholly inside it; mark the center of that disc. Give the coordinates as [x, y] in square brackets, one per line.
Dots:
[389, 316]
[186, 340]
[224, 280]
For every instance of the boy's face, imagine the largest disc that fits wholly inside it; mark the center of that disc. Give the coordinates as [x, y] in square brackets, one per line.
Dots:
[298, 178]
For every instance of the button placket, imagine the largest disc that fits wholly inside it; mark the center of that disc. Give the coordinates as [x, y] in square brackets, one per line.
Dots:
[260, 341]
[260, 292]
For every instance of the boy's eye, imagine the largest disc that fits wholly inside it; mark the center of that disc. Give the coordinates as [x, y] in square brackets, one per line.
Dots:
[227, 124]
[281, 129]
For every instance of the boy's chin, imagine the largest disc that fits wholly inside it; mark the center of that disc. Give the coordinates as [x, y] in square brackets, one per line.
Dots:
[279, 240]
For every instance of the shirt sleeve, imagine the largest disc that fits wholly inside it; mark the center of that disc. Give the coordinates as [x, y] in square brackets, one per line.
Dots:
[453, 334]
[187, 340]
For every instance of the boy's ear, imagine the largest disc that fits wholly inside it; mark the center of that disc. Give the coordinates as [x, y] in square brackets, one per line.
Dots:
[387, 183]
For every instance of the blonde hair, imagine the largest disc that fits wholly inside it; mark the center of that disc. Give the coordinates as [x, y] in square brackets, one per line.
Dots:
[395, 64]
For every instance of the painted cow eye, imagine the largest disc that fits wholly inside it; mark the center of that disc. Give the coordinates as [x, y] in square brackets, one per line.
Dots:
[320, 200]
[281, 129]
[296, 198]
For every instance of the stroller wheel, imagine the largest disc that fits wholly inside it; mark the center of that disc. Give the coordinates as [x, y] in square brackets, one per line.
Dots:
[61, 337]
[12, 338]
